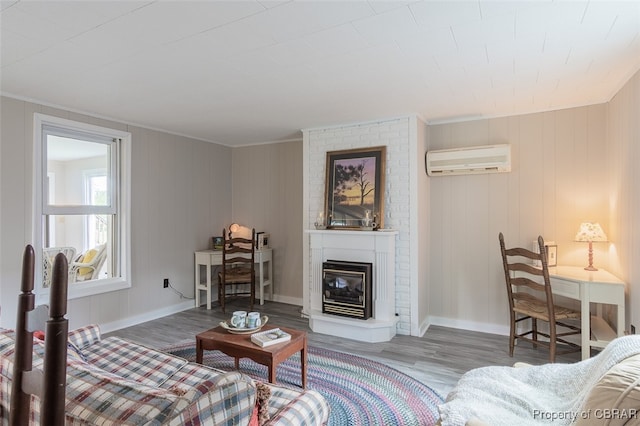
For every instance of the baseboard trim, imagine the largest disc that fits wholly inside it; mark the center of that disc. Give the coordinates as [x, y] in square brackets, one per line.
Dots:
[423, 327]
[481, 327]
[144, 317]
[288, 300]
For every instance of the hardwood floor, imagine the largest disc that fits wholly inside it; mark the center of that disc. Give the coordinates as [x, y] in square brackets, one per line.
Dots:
[437, 359]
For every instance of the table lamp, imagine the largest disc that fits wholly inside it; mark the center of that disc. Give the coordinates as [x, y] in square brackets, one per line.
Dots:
[590, 232]
[239, 231]
[234, 227]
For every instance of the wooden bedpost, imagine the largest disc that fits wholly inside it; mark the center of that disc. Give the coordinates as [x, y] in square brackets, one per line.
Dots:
[55, 347]
[20, 400]
[50, 386]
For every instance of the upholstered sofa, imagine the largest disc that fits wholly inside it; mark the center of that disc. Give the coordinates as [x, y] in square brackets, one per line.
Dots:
[603, 390]
[115, 381]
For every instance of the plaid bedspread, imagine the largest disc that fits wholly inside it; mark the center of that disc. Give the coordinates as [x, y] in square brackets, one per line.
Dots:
[113, 381]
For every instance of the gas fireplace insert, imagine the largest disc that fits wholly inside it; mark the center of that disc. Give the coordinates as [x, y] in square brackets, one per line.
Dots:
[347, 288]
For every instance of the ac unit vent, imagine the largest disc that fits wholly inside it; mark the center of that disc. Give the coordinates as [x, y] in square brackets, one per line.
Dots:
[473, 160]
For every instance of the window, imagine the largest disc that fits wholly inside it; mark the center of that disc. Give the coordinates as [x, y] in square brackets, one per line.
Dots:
[96, 192]
[82, 204]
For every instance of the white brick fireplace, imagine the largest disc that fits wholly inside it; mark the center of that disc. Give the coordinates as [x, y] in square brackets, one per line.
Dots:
[406, 210]
[376, 247]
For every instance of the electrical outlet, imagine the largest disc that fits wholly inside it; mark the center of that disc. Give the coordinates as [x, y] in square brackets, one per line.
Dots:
[165, 283]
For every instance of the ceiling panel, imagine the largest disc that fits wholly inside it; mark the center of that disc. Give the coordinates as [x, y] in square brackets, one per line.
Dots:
[244, 72]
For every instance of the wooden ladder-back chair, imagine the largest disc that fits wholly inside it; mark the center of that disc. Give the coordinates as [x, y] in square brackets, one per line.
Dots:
[238, 267]
[530, 297]
[50, 386]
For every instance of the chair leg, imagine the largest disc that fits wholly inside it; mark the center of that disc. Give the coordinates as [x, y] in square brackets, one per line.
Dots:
[552, 341]
[534, 334]
[512, 334]
[221, 297]
[252, 296]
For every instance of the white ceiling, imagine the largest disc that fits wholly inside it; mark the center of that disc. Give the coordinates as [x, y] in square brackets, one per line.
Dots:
[245, 71]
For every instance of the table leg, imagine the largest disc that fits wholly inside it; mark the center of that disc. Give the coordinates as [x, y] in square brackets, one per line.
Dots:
[271, 279]
[621, 317]
[272, 372]
[261, 268]
[199, 351]
[197, 284]
[585, 321]
[208, 275]
[303, 365]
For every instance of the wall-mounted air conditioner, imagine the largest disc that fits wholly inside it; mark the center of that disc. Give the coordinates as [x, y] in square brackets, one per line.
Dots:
[473, 160]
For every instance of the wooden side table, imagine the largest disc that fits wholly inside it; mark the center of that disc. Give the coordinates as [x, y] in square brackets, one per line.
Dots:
[591, 287]
[240, 346]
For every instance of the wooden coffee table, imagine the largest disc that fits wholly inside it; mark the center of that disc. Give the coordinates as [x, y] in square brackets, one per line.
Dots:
[240, 346]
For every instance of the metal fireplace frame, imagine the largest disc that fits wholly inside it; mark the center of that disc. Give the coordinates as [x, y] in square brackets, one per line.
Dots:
[363, 309]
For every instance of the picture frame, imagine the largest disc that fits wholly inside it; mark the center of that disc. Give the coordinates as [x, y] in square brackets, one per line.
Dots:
[552, 253]
[354, 188]
[218, 242]
[262, 240]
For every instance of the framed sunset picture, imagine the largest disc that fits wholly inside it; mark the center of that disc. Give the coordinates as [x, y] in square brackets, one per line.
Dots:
[354, 188]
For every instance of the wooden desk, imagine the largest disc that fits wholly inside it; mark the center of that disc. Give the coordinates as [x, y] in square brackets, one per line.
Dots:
[241, 346]
[209, 258]
[590, 287]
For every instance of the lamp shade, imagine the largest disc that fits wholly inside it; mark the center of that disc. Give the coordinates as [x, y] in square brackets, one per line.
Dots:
[591, 232]
[239, 231]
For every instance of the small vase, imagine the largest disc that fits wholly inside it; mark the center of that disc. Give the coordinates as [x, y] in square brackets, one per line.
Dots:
[320, 222]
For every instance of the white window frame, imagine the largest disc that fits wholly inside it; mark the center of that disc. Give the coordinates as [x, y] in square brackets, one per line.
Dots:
[121, 204]
[87, 176]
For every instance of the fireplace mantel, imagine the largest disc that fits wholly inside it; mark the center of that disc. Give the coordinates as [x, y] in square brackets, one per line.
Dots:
[376, 247]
